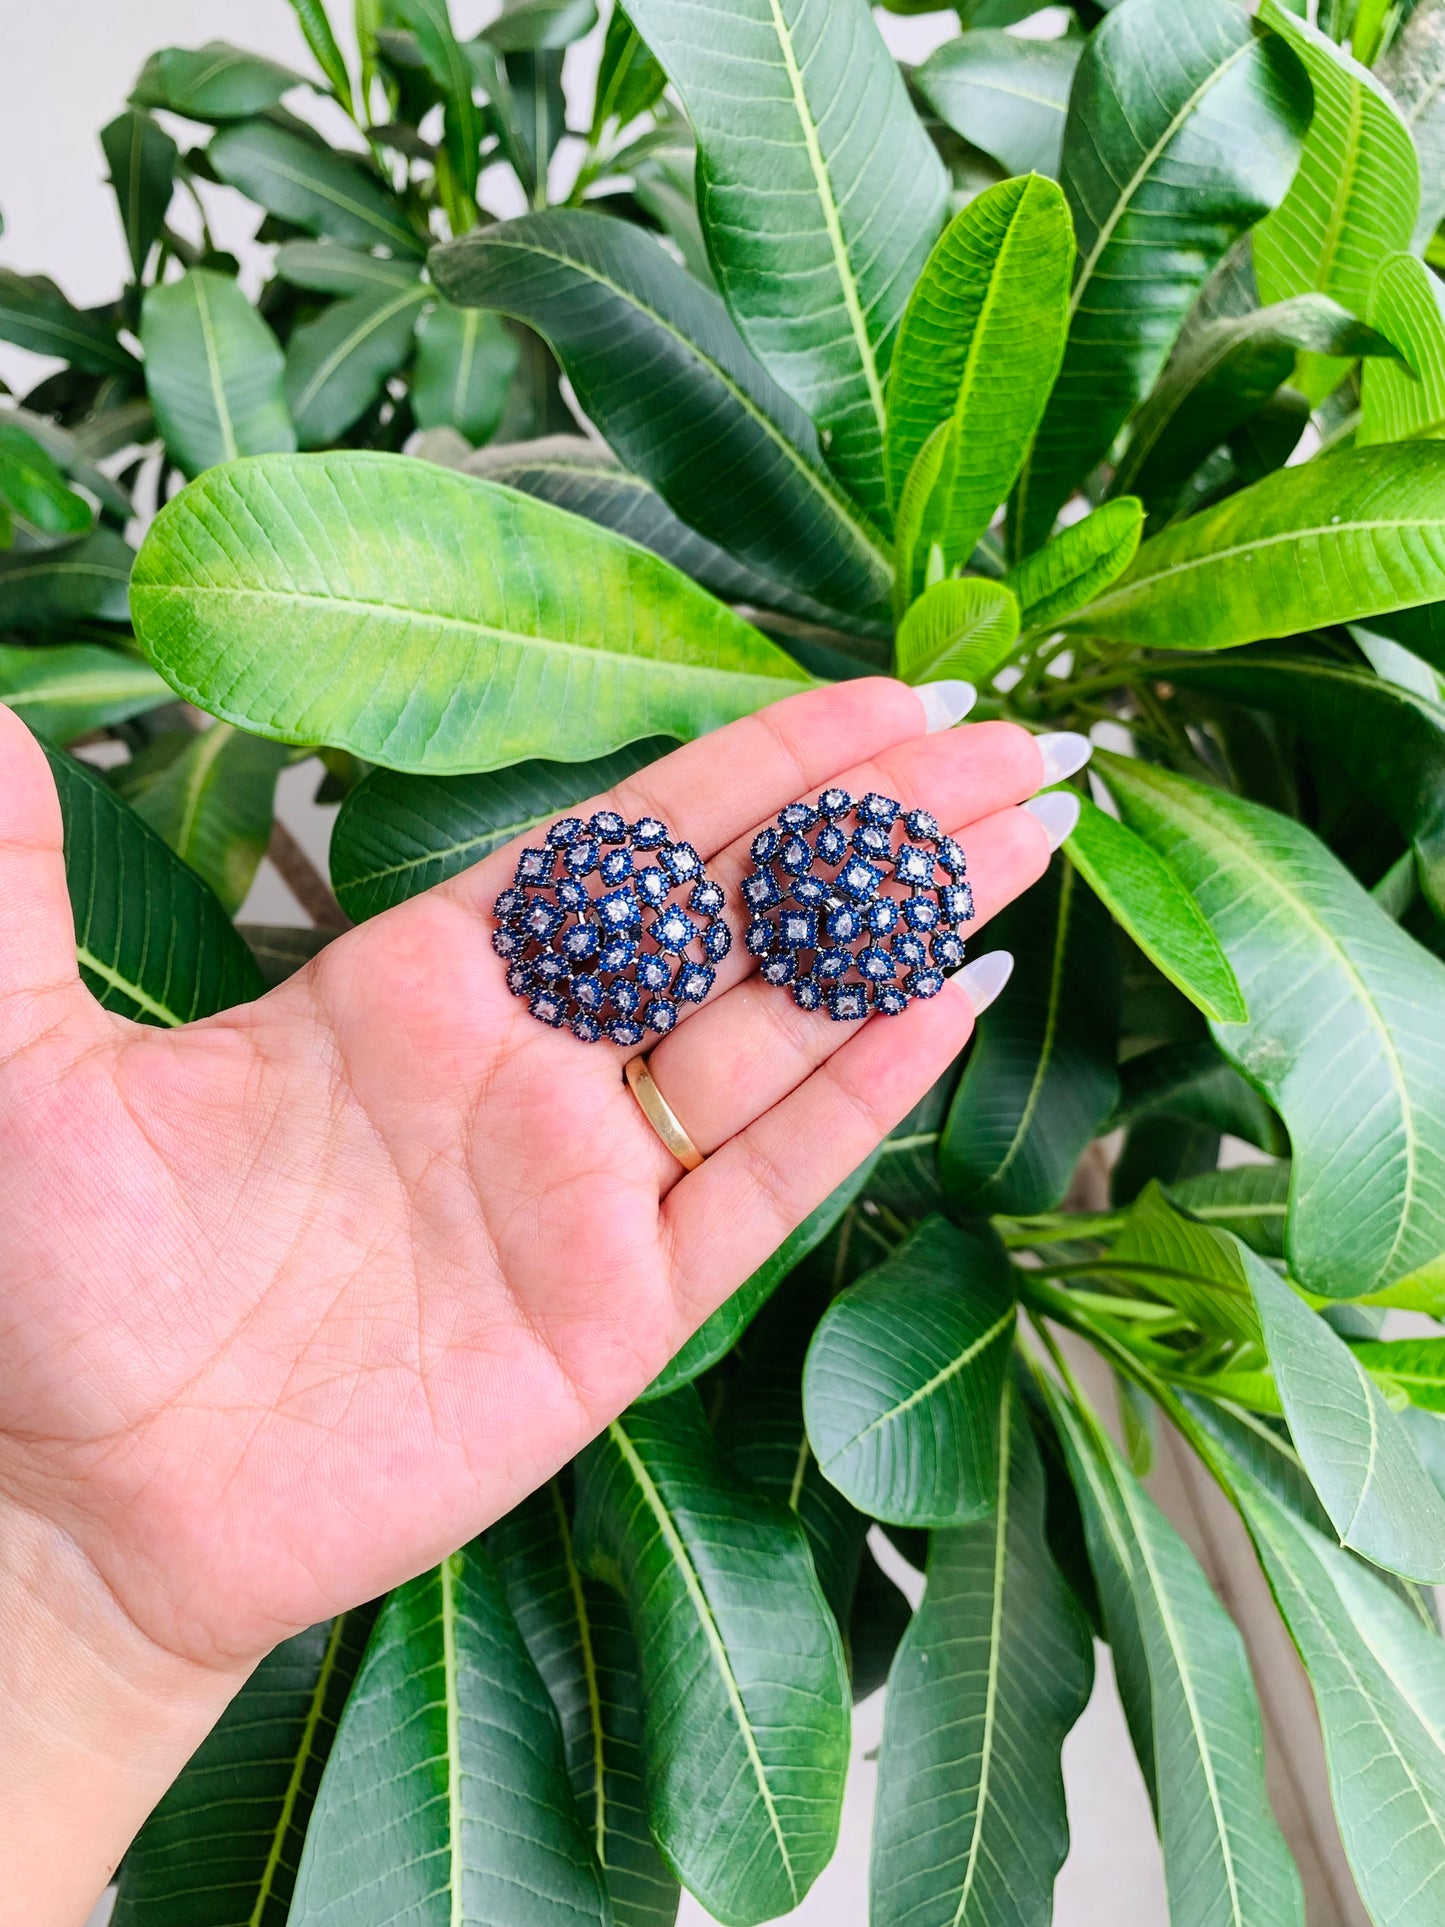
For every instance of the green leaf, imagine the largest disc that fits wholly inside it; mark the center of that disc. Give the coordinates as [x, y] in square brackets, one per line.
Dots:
[660, 369]
[330, 268]
[717, 1335]
[213, 372]
[142, 162]
[1190, 1700]
[1190, 1081]
[1341, 1036]
[744, 1689]
[1162, 1253]
[992, 1673]
[876, 1625]
[529, 633]
[1378, 1677]
[34, 314]
[397, 835]
[904, 1375]
[465, 361]
[1183, 129]
[446, 1796]
[448, 66]
[1327, 542]
[311, 14]
[1413, 68]
[338, 364]
[1387, 740]
[1249, 1199]
[223, 1846]
[629, 81]
[67, 690]
[577, 1633]
[48, 588]
[35, 488]
[1356, 194]
[215, 82]
[1357, 1452]
[311, 187]
[1040, 1080]
[1406, 397]
[1414, 1366]
[1006, 95]
[530, 26]
[1221, 374]
[1145, 896]
[960, 627]
[213, 804]
[821, 197]
[1078, 563]
[153, 942]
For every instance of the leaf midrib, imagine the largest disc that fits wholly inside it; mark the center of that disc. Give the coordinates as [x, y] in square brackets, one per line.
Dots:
[229, 445]
[941, 1377]
[589, 1674]
[448, 1569]
[995, 1643]
[110, 975]
[412, 296]
[314, 1709]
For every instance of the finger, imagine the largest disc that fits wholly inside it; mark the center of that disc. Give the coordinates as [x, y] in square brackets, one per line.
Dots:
[38, 970]
[744, 1052]
[733, 1212]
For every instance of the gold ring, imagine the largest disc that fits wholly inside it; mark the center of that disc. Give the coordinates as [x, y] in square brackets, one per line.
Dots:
[660, 1114]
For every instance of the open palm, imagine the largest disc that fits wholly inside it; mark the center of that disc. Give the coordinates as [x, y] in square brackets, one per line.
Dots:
[295, 1300]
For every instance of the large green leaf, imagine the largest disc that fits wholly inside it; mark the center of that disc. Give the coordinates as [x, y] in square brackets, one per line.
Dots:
[744, 1688]
[308, 598]
[1413, 68]
[56, 587]
[904, 1375]
[399, 834]
[311, 187]
[1331, 541]
[1342, 1035]
[142, 162]
[1378, 1677]
[34, 486]
[960, 627]
[1414, 1366]
[1355, 196]
[1190, 1700]
[979, 348]
[993, 1671]
[533, 25]
[338, 364]
[1405, 397]
[717, 1335]
[1183, 129]
[445, 61]
[1387, 740]
[446, 1796]
[1040, 1079]
[1006, 95]
[659, 367]
[213, 804]
[213, 373]
[215, 82]
[312, 20]
[1081, 560]
[1251, 1200]
[68, 690]
[1358, 1454]
[1166, 1255]
[153, 942]
[465, 361]
[35, 314]
[222, 1848]
[330, 268]
[820, 195]
[576, 1630]
[1150, 902]
[1190, 1080]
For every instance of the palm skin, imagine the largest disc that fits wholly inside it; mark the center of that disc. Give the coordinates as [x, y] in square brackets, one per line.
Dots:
[295, 1300]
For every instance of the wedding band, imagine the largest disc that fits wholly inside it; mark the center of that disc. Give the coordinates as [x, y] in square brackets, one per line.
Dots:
[660, 1114]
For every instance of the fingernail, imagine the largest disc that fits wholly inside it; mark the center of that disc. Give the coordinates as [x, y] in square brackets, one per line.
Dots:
[946, 703]
[1058, 811]
[985, 977]
[1063, 752]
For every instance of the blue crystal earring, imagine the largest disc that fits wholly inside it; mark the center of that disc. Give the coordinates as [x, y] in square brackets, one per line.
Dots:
[609, 927]
[856, 906]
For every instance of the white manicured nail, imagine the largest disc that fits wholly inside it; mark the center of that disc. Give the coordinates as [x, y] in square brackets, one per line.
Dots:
[985, 977]
[945, 703]
[1063, 752]
[1058, 811]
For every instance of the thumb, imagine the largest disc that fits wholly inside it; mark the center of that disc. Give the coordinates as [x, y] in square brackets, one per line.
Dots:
[37, 929]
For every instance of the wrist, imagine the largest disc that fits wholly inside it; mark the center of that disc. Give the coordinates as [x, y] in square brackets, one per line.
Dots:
[96, 1720]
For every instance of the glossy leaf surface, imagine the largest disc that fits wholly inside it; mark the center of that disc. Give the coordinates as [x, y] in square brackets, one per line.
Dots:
[330, 268]
[35, 488]
[54, 588]
[142, 160]
[338, 364]
[465, 361]
[67, 691]
[311, 187]
[993, 1671]
[35, 314]
[820, 201]
[216, 82]
[531, 632]
[213, 373]
[1406, 397]
[904, 1375]
[213, 804]
[960, 628]
[1007, 95]
[1077, 564]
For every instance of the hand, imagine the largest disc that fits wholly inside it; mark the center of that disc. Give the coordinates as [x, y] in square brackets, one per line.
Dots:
[295, 1300]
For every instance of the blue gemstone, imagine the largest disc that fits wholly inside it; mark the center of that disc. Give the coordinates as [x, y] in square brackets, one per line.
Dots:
[913, 865]
[847, 1003]
[519, 979]
[760, 936]
[796, 855]
[694, 981]
[653, 885]
[948, 950]
[780, 968]
[835, 802]
[626, 997]
[511, 900]
[615, 866]
[798, 929]
[618, 952]
[581, 856]
[707, 898]
[579, 942]
[876, 965]
[845, 923]
[924, 983]
[883, 915]
[508, 942]
[654, 973]
[717, 941]
[673, 930]
[870, 839]
[566, 830]
[619, 910]
[589, 991]
[832, 844]
[573, 896]
[922, 913]
[957, 900]
[951, 856]
[625, 1030]
[662, 1015]
[535, 866]
[910, 950]
[682, 860]
[831, 964]
[807, 993]
[765, 845]
[549, 968]
[541, 918]
[586, 1029]
[890, 1000]
[878, 809]
[649, 833]
[798, 816]
[760, 890]
[858, 880]
[548, 1007]
[810, 892]
[607, 826]
[920, 823]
